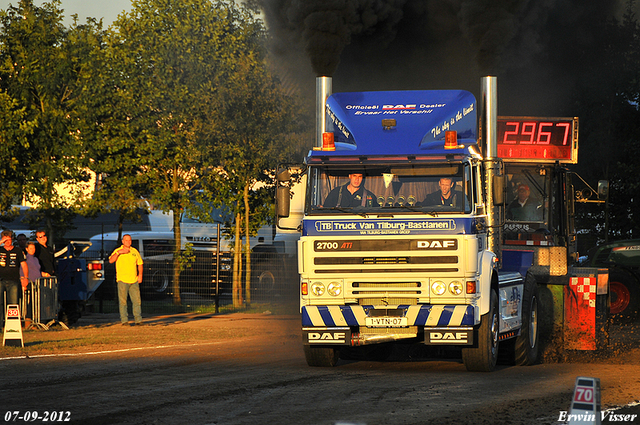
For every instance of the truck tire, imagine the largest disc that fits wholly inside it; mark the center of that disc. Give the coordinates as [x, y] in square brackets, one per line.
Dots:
[266, 280]
[321, 356]
[70, 312]
[527, 343]
[483, 358]
[624, 289]
[155, 285]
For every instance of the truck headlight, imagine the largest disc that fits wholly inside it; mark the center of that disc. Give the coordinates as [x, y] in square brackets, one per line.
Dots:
[317, 288]
[438, 287]
[455, 287]
[334, 289]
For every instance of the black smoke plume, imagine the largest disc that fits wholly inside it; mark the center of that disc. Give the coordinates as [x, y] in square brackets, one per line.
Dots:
[537, 48]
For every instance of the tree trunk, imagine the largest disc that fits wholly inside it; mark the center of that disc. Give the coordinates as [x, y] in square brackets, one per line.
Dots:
[120, 224]
[236, 264]
[177, 242]
[247, 245]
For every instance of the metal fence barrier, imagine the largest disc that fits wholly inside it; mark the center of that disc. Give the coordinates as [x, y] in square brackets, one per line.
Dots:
[41, 303]
[274, 278]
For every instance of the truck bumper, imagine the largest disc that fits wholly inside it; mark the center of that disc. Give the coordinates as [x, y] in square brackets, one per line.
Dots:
[413, 315]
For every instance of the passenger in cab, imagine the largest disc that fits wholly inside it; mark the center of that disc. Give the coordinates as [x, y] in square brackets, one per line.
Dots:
[445, 196]
[352, 194]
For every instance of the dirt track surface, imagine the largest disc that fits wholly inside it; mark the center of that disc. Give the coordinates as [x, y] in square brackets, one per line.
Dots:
[250, 369]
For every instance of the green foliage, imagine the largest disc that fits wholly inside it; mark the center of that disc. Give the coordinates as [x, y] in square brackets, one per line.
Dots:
[41, 64]
[186, 257]
[13, 143]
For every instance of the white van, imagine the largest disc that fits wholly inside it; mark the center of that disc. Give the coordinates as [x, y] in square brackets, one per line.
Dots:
[203, 235]
[148, 243]
[156, 250]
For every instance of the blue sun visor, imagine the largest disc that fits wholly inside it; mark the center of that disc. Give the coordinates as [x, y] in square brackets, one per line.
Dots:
[398, 122]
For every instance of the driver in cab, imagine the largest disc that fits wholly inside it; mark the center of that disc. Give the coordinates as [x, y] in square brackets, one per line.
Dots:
[352, 194]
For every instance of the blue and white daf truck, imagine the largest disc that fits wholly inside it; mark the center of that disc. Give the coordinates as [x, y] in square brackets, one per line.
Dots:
[402, 236]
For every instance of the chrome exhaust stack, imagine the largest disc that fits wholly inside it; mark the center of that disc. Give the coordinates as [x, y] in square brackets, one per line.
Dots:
[492, 164]
[323, 91]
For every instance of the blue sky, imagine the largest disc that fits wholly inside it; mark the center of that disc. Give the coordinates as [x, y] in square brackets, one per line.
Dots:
[108, 10]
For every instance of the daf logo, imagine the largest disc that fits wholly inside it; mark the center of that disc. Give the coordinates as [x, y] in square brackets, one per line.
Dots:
[448, 337]
[438, 244]
[400, 106]
[327, 336]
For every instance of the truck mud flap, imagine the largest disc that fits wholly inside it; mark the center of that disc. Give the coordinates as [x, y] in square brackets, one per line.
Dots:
[448, 336]
[326, 336]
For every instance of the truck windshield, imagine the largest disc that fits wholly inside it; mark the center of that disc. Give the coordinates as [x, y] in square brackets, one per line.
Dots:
[432, 188]
[527, 194]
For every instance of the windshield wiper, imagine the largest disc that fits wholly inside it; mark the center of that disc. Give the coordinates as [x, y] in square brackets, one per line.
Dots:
[410, 208]
[348, 210]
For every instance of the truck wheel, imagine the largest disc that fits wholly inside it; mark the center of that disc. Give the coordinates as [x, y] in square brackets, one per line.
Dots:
[625, 298]
[321, 356]
[156, 285]
[70, 312]
[526, 344]
[265, 280]
[483, 358]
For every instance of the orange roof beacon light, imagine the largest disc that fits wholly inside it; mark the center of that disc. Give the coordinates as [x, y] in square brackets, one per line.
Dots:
[451, 140]
[327, 142]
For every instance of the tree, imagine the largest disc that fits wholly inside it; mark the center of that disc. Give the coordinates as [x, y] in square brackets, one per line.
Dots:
[251, 130]
[109, 138]
[41, 66]
[14, 138]
[250, 138]
[607, 99]
[167, 60]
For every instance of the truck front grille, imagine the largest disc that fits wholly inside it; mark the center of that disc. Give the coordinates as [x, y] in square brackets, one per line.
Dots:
[377, 293]
[404, 264]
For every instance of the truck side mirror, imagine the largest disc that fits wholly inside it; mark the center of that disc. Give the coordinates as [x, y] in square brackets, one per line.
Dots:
[603, 189]
[283, 201]
[498, 190]
[283, 193]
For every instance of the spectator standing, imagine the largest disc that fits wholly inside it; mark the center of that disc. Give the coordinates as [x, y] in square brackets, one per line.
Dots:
[32, 263]
[129, 276]
[22, 242]
[45, 255]
[11, 261]
[34, 274]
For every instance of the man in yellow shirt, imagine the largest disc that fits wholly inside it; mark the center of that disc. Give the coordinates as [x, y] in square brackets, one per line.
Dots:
[129, 276]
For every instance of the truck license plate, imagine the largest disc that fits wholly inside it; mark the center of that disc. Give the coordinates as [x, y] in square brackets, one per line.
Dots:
[385, 322]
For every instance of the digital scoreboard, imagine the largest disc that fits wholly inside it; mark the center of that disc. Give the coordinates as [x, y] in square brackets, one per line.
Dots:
[535, 139]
